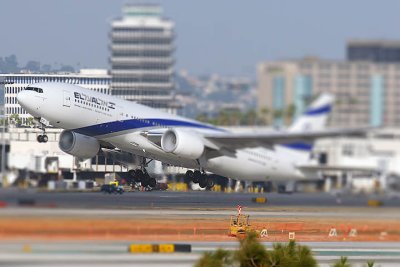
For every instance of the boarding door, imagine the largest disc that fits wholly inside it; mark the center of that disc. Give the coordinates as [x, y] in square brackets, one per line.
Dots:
[67, 99]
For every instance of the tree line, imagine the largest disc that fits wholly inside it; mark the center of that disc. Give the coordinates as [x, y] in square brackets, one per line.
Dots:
[252, 253]
[252, 117]
[9, 64]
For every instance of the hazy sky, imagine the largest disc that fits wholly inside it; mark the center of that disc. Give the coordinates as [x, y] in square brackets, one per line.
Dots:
[213, 36]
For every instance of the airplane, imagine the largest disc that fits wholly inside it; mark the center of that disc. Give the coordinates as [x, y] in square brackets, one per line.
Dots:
[93, 121]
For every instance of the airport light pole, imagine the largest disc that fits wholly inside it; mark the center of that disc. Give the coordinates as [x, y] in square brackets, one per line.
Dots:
[3, 145]
[3, 132]
[3, 137]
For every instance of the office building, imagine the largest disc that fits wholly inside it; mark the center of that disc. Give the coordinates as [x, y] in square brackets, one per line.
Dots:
[380, 51]
[142, 62]
[366, 92]
[94, 79]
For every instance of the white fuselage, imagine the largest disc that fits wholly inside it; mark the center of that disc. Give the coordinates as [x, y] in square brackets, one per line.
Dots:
[122, 123]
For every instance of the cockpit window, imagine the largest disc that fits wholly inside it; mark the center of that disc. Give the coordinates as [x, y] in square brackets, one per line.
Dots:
[39, 90]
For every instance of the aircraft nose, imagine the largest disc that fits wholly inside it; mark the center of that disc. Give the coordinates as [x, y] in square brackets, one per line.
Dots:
[22, 98]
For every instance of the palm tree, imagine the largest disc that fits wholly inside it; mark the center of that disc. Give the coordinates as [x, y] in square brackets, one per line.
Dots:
[277, 115]
[219, 258]
[292, 255]
[202, 117]
[289, 113]
[15, 119]
[251, 253]
[342, 263]
[249, 118]
[265, 116]
[29, 121]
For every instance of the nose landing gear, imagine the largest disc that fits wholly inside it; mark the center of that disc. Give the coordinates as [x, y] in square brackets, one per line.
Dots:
[42, 138]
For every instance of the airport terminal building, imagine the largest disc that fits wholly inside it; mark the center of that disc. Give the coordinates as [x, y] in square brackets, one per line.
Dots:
[366, 92]
[142, 62]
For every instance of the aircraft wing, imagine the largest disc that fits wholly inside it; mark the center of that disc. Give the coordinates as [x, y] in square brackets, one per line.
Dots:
[338, 168]
[269, 140]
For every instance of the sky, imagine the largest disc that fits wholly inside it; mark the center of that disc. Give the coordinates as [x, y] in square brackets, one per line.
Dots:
[228, 37]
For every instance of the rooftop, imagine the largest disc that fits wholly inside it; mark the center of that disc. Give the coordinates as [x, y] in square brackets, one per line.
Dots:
[374, 42]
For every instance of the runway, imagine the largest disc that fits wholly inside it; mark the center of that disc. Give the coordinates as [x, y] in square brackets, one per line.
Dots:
[193, 199]
[115, 253]
[306, 212]
[58, 228]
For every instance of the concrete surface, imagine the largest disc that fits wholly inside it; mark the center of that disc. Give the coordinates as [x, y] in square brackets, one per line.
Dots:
[115, 253]
[193, 199]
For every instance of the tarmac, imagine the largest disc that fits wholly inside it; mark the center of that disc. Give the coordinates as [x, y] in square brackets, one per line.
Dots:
[78, 209]
[115, 253]
[193, 199]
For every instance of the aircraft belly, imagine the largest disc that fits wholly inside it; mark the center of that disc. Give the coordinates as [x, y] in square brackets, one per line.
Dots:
[248, 168]
[242, 167]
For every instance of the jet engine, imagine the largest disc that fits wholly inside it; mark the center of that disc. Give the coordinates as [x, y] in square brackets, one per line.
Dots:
[78, 145]
[182, 143]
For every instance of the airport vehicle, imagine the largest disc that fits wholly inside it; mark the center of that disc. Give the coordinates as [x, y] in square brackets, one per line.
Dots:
[112, 188]
[239, 225]
[95, 121]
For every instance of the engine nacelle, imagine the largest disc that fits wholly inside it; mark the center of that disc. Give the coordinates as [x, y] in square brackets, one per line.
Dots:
[182, 143]
[78, 145]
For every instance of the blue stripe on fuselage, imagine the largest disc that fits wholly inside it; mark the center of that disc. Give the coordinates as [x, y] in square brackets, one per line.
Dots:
[319, 111]
[133, 124]
[299, 146]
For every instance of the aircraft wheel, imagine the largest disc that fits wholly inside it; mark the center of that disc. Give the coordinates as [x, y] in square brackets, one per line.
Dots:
[39, 138]
[45, 138]
[139, 175]
[210, 183]
[196, 176]
[145, 180]
[132, 173]
[152, 182]
[203, 181]
[189, 174]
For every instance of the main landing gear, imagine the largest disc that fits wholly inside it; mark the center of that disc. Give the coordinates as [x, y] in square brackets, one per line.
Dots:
[141, 176]
[200, 178]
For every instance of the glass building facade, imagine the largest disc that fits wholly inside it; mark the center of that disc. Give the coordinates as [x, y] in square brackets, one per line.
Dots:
[278, 99]
[377, 100]
[303, 92]
[367, 93]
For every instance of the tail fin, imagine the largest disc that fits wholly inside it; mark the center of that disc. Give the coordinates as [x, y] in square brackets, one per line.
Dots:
[313, 119]
[316, 116]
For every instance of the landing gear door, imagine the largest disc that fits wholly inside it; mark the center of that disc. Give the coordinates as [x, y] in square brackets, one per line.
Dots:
[67, 99]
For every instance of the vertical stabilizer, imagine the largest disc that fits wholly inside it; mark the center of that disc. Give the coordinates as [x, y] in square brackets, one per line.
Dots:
[313, 119]
[316, 116]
